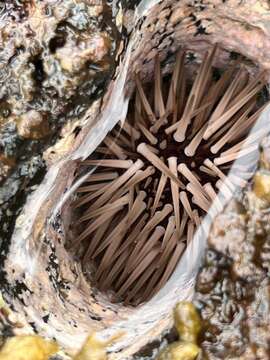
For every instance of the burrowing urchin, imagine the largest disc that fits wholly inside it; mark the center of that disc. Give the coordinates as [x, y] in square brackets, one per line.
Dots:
[42, 281]
[158, 172]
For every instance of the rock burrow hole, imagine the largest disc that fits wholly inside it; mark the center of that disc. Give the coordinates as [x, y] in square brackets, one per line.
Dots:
[158, 173]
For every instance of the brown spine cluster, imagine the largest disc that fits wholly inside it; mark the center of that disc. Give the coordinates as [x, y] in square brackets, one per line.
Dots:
[159, 172]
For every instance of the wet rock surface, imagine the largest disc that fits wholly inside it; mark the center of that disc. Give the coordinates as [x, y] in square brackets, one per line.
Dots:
[232, 291]
[55, 59]
[234, 312]
[43, 44]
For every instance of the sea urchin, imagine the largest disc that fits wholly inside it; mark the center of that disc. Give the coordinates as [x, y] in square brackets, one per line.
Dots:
[158, 172]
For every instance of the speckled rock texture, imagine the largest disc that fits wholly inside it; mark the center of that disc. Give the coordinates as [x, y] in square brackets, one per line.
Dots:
[237, 26]
[232, 290]
[55, 58]
[55, 51]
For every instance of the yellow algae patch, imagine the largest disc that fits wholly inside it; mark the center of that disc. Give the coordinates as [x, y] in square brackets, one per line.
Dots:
[187, 321]
[27, 348]
[179, 350]
[188, 325]
[94, 348]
